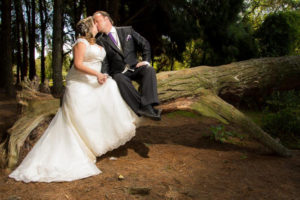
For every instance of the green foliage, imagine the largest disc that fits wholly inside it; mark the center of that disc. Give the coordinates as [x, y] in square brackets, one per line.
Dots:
[282, 117]
[219, 133]
[257, 10]
[225, 37]
[244, 156]
[283, 100]
[168, 59]
[194, 54]
[48, 66]
[255, 115]
[241, 41]
[166, 63]
[279, 34]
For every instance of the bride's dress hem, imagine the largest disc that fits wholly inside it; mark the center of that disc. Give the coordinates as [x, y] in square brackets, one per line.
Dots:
[93, 120]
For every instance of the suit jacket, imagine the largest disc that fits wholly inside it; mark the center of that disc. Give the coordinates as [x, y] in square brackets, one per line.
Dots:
[131, 43]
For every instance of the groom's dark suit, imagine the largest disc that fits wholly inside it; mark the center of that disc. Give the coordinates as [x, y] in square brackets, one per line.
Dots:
[117, 60]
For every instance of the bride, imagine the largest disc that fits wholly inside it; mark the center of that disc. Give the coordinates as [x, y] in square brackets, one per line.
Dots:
[93, 119]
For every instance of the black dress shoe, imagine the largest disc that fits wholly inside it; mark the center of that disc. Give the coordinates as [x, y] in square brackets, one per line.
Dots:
[157, 111]
[148, 111]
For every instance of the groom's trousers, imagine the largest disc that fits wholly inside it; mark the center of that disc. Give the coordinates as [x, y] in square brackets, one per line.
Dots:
[145, 76]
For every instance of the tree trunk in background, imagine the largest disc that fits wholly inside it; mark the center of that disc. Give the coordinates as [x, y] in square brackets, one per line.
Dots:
[7, 75]
[2, 80]
[28, 16]
[43, 29]
[19, 56]
[24, 67]
[57, 49]
[32, 71]
[78, 10]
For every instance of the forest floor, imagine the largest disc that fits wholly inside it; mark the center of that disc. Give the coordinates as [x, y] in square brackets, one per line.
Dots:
[175, 159]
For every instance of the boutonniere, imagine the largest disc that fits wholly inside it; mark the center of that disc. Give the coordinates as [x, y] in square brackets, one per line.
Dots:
[128, 37]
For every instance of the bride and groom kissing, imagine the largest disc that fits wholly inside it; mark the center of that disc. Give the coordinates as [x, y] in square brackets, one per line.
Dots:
[121, 44]
[100, 108]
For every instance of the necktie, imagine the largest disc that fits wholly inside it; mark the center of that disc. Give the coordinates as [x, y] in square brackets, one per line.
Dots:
[113, 39]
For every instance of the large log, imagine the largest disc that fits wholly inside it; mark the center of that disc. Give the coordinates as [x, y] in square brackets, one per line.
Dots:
[234, 81]
[199, 89]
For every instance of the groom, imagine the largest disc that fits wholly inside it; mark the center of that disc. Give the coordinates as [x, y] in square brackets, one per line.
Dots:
[122, 45]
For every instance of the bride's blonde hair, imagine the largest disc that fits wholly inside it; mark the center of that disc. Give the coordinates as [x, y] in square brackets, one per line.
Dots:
[83, 28]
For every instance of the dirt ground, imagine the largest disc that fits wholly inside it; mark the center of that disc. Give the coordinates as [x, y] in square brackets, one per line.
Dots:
[175, 159]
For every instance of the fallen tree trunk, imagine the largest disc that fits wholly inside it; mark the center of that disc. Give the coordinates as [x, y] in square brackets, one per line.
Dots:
[234, 81]
[200, 90]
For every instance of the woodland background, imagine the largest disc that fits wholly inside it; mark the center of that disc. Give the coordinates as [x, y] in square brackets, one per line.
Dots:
[37, 35]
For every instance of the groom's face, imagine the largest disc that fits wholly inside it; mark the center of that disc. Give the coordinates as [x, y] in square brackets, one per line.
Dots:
[101, 22]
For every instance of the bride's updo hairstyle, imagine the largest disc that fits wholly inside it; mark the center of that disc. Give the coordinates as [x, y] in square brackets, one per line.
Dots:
[83, 28]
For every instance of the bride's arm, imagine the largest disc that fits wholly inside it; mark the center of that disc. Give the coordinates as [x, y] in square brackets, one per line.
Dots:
[79, 50]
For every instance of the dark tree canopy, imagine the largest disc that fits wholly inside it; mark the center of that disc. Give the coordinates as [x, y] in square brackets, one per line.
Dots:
[182, 33]
[279, 34]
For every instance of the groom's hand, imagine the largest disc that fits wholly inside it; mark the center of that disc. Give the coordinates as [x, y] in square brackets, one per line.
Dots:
[142, 64]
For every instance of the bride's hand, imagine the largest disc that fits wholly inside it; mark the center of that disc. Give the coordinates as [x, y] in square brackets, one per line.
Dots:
[101, 78]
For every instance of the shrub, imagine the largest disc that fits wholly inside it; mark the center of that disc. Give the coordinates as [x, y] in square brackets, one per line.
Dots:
[282, 116]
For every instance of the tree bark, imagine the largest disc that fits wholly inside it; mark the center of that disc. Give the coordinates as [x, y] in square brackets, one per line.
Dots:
[77, 10]
[19, 53]
[32, 70]
[28, 14]
[24, 67]
[7, 75]
[57, 50]
[43, 29]
[19, 57]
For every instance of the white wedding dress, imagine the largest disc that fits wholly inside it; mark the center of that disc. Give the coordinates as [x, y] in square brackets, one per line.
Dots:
[93, 120]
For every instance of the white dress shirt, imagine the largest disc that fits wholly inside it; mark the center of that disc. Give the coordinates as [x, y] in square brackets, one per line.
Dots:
[114, 33]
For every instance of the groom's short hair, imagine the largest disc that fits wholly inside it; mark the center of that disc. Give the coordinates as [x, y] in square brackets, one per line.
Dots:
[104, 14]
